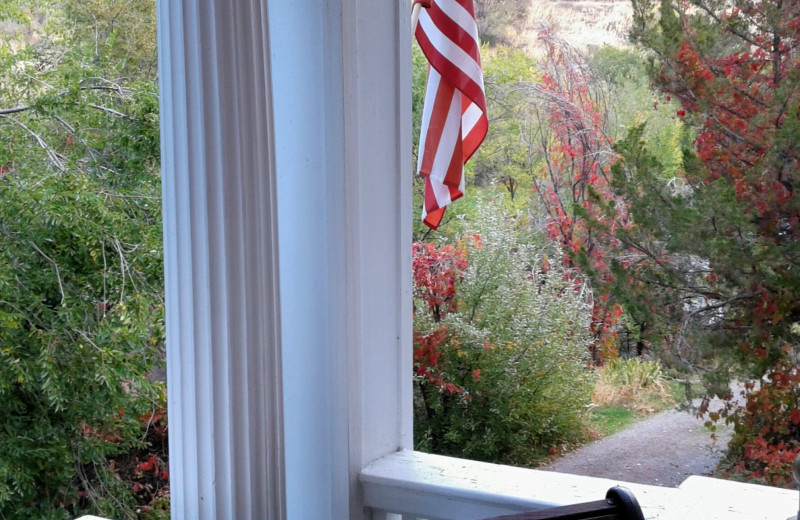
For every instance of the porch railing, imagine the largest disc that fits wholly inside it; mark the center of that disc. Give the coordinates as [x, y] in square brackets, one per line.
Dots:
[410, 485]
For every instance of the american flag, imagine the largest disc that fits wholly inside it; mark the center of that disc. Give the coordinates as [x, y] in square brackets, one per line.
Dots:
[454, 121]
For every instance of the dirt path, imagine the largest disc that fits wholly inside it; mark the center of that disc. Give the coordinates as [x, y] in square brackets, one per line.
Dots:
[661, 450]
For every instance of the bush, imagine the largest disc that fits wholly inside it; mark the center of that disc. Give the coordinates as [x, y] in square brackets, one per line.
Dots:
[502, 374]
[766, 435]
[82, 320]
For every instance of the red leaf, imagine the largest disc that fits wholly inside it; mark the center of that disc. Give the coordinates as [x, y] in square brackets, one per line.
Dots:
[147, 465]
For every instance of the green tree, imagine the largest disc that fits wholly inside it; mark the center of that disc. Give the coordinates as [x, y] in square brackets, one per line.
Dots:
[716, 246]
[81, 297]
[507, 156]
[116, 33]
[631, 102]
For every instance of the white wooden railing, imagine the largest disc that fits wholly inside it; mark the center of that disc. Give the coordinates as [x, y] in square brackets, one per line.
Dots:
[410, 485]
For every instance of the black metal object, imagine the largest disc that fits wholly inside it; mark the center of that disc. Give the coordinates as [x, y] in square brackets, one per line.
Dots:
[620, 504]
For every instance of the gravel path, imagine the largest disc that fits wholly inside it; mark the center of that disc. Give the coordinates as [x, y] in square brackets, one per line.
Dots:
[661, 450]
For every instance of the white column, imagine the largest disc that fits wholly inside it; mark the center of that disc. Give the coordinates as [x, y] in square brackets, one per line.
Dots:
[306, 79]
[341, 77]
[377, 132]
[220, 242]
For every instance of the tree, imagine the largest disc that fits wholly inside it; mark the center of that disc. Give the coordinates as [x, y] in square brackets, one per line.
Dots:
[507, 156]
[568, 109]
[631, 101]
[81, 297]
[719, 245]
[121, 34]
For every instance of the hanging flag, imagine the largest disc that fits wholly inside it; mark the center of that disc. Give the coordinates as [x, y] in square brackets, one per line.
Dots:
[454, 120]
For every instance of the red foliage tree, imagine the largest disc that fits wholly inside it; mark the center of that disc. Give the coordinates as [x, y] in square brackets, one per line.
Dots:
[576, 157]
[436, 270]
[435, 273]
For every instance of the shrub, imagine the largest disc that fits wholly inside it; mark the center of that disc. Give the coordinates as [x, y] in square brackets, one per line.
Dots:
[502, 375]
[631, 383]
[766, 435]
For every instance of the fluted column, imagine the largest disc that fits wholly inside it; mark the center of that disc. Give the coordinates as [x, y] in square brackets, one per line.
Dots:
[220, 242]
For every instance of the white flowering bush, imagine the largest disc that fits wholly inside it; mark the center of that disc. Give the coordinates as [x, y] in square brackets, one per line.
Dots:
[503, 375]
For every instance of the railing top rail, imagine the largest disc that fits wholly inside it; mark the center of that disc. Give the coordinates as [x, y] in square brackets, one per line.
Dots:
[433, 487]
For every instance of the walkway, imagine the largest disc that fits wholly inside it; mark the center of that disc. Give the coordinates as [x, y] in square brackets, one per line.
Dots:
[662, 450]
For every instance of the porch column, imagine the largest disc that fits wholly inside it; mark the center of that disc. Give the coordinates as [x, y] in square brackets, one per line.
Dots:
[341, 72]
[220, 246]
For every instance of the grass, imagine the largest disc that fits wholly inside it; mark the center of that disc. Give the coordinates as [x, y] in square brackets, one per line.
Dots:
[634, 384]
[611, 419]
[627, 389]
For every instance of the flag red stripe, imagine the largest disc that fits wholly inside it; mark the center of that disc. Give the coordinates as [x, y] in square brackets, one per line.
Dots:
[456, 167]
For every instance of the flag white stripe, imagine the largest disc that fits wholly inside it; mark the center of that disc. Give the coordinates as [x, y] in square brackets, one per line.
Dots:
[470, 118]
[451, 135]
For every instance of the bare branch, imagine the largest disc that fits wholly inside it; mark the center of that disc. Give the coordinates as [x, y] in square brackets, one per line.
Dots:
[113, 112]
[55, 265]
[55, 157]
[15, 110]
[123, 264]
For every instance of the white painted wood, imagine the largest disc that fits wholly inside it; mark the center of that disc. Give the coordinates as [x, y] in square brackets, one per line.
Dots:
[378, 189]
[377, 159]
[714, 498]
[444, 488]
[341, 78]
[342, 84]
[310, 175]
[220, 242]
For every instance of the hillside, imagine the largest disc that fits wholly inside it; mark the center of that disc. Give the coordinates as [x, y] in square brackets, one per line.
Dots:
[585, 24]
